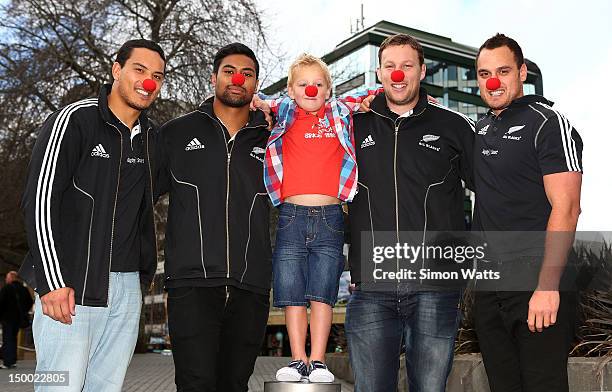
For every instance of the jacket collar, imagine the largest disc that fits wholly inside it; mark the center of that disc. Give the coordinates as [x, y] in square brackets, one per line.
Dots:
[105, 111]
[524, 101]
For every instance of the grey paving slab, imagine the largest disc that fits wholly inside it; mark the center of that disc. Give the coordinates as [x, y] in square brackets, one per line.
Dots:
[153, 373]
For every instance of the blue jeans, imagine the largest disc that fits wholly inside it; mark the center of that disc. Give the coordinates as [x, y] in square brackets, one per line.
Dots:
[308, 260]
[379, 324]
[97, 348]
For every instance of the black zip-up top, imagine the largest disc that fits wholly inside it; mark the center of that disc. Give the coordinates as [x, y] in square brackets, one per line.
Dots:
[410, 172]
[218, 218]
[512, 153]
[70, 202]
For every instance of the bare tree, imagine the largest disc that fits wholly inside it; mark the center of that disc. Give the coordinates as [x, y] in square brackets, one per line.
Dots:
[15, 146]
[53, 52]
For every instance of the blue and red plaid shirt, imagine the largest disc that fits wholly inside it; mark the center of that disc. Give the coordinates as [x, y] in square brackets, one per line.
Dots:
[339, 115]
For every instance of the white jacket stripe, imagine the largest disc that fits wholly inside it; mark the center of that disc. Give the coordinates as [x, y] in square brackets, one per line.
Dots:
[44, 190]
[569, 146]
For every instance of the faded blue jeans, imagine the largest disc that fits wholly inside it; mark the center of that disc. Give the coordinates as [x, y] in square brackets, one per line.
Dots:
[379, 324]
[97, 347]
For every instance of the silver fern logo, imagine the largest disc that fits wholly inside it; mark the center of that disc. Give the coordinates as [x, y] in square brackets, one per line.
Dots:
[509, 134]
[427, 139]
[257, 152]
[430, 138]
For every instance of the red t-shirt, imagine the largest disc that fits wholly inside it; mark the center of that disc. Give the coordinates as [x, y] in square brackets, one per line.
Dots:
[312, 156]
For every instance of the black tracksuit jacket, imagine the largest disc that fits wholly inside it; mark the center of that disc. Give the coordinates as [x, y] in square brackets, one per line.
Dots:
[218, 217]
[70, 202]
[410, 172]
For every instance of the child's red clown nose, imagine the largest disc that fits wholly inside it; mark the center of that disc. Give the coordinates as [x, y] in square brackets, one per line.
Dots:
[493, 83]
[238, 79]
[311, 91]
[149, 85]
[397, 75]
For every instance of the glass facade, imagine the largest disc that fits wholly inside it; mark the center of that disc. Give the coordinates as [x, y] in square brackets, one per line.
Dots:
[472, 111]
[349, 66]
[529, 88]
[354, 71]
[451, 76]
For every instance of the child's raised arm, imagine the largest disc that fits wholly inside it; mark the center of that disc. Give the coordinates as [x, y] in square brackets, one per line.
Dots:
[360, 100]
[264, 102]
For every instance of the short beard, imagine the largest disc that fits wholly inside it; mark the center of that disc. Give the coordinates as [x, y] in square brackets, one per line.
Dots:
[129, 102]
[501, 106]
[234, 102]
[405, 101]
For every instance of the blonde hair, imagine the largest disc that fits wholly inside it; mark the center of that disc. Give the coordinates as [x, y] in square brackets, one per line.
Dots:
[305, 60]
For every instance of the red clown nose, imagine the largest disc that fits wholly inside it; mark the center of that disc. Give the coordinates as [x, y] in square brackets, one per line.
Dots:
[149, 85]
[493, 83]
[311, 91]
[238, 79]
[397, 75]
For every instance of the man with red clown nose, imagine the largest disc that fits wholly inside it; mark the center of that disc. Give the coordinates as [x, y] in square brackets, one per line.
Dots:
[218, 255]
[88, 209]
[527, 174]
[412, 156]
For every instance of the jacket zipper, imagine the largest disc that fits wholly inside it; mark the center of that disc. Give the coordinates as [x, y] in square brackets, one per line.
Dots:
[227, 190]
[227, 193]
[396, 125]
[227, 197]
[395, 185]
[152, 206]
[110, 260]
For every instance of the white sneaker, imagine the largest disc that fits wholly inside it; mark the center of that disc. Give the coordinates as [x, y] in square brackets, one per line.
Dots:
[318, 372]
[294, 372]
[3, 366]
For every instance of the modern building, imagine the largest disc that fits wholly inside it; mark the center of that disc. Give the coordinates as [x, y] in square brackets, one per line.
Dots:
[451, 74]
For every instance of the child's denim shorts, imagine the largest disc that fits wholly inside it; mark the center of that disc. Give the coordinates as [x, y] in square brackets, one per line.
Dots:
[308, 260]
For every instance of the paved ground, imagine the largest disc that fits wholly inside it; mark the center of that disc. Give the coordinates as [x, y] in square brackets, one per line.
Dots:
[154, 372]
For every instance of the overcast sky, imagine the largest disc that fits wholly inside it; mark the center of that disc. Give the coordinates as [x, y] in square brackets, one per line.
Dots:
[570, 42]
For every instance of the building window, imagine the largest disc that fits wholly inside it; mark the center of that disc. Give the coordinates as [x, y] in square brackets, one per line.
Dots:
[435, 72]
[529, 88]
[352, 84]
[350, 66]
[454, 77]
